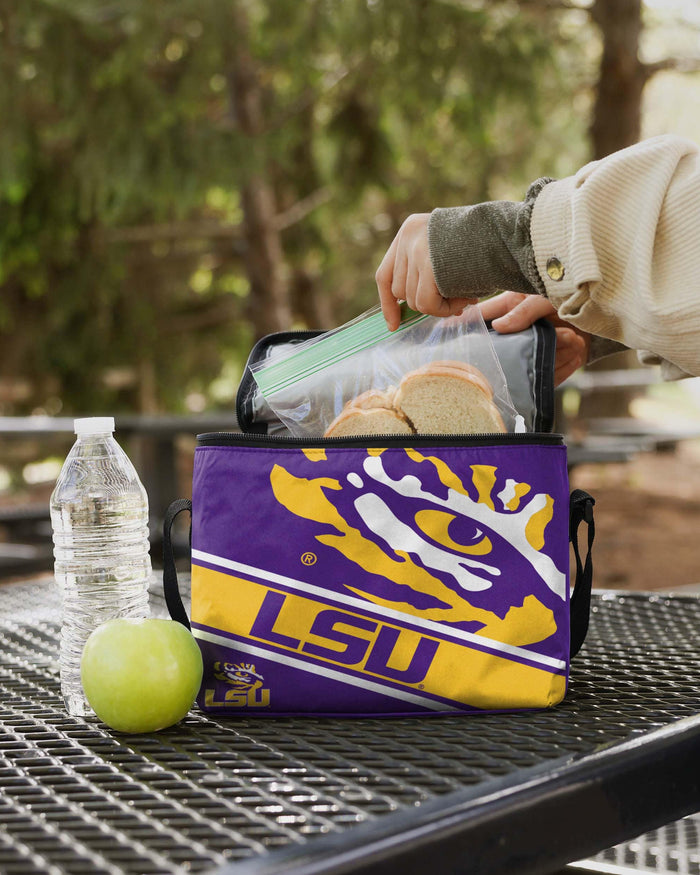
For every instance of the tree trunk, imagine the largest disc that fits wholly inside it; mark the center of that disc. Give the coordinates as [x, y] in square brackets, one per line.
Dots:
[263, 256]
[617, 112]
[312, 305]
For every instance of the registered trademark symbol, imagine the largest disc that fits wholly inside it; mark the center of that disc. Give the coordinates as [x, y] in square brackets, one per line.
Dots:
[308, 558]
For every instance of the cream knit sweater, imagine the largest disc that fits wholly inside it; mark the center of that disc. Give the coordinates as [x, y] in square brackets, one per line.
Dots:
[615, 248]
[626, 232]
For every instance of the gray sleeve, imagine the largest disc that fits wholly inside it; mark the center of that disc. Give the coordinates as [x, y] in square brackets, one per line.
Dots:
[601, 347]
[486, 248]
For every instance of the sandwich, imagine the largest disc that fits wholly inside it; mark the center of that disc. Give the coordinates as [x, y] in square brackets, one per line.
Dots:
[443, 397]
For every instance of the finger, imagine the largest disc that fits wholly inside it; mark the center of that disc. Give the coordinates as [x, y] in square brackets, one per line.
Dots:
[500, 304]
[391, 309]
[400, 274]
[573, 345]
[565, 363]
[428, 298]
[453, 306]
[411, 288]
[571, 340]
[430, 301]
[571, 354]
[529, 310]
[384, 277]
[564, 369]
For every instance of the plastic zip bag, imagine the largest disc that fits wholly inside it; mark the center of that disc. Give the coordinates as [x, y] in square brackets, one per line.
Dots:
[311, 385]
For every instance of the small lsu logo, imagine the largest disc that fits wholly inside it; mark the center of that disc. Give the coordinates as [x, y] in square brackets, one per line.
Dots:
[243, 676]
[245, 687]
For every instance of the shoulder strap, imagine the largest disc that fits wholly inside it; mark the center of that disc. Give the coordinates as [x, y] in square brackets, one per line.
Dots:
[171, 591]
[581, 510]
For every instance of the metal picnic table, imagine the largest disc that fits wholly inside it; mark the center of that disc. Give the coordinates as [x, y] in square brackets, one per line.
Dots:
[516, 793]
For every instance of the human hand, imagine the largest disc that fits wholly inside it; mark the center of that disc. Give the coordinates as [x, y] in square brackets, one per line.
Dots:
[513, 311]
[406, 274]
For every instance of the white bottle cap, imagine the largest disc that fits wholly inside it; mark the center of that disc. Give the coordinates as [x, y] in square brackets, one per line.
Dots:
[94, 425]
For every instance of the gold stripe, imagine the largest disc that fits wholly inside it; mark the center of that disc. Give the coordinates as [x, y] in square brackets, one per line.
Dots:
[457, 672]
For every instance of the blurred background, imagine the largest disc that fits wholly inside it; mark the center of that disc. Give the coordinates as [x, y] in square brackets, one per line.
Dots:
[178, 179]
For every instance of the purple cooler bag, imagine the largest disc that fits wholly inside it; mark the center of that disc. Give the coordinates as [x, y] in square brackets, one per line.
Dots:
[383, 576]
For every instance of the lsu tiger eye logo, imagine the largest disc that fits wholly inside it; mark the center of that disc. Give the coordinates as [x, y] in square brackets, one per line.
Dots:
[432, 541]
[242, 676]
[245, 684]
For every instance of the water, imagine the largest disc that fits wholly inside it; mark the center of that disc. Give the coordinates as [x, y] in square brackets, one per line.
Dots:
[99, 514]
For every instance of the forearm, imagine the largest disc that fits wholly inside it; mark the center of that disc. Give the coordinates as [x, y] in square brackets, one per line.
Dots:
[478, 250]
[626, 232]
[487, 248]
[615, 249]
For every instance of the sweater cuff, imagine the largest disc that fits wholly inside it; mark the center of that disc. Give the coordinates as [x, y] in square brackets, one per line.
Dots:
[566, 278]
[478, 250]
[602, 346]
[669, 371]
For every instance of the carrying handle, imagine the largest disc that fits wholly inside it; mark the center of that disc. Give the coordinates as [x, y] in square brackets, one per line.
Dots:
[581, 510]
[173, 600]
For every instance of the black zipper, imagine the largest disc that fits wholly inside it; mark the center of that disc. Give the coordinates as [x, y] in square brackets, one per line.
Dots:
[237, 439]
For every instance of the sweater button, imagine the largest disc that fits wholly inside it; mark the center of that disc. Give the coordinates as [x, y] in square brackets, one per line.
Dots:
[555, 269]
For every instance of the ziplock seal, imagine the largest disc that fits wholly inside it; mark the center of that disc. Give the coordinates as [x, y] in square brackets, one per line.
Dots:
[354, 337]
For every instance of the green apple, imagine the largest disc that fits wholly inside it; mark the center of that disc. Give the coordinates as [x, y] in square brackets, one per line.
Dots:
[141, 675]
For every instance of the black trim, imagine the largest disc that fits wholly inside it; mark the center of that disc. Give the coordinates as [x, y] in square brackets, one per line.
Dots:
[546, 344]
[236, 439]
[515, 824]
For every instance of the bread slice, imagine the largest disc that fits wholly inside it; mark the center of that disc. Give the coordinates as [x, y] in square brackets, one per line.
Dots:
[374, 398]
[441, 397]
[447, 401]
[460, 369]
[376, 420]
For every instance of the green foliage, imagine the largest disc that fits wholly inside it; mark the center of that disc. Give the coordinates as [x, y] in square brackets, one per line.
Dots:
[123, 254]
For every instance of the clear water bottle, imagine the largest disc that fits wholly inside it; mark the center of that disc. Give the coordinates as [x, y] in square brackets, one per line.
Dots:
[99, 514]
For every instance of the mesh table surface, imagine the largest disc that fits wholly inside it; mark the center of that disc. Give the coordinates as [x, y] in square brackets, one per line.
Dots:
[673, 849]
[76, 797]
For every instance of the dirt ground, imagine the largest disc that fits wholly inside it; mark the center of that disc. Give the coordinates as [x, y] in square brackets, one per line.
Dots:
[647, 515]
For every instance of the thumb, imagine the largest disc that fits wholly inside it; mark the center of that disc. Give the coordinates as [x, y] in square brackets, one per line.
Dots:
[523, 315]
